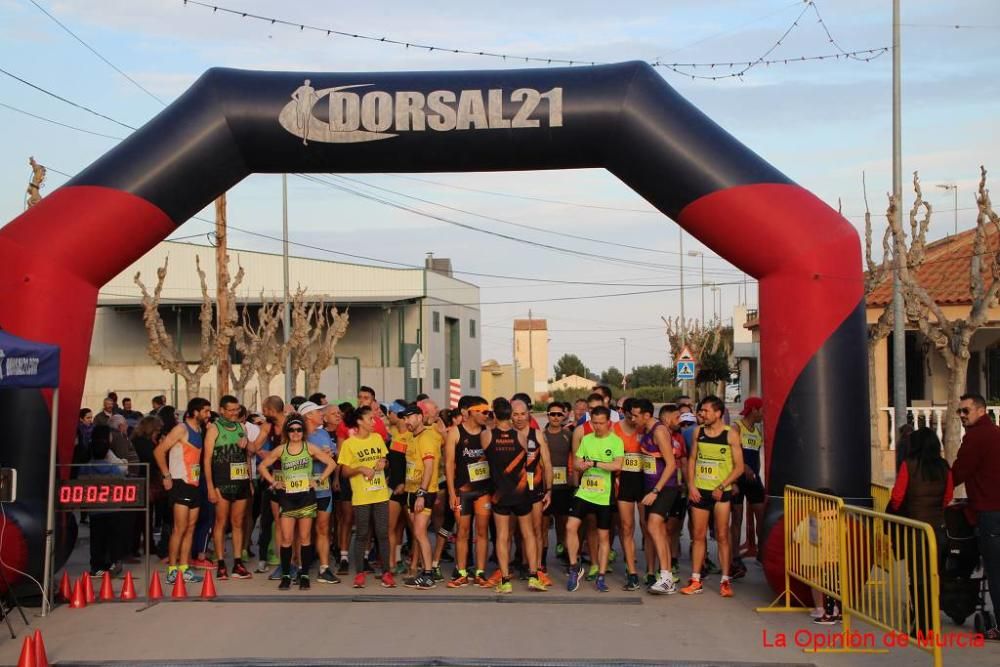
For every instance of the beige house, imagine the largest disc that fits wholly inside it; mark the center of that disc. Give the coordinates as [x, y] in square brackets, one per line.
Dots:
[945, 274]
[499, 380]
[531, 350]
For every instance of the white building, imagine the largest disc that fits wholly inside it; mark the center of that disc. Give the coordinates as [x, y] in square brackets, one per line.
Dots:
[393, 314]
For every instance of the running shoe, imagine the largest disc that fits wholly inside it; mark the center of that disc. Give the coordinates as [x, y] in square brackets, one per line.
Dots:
[711, 568]
[304, 583]
[494, 579]
[98, 573]
[286, 583]
[459, 581]
[192, 577]
[246, 555]
[601, 585]
[693, 588]
[400, 569]
[480, 580]
[650, 579]
[202, 563]
[726, 589]
[505, 587]
[739, 570]
[825, 619]
[544, 578]
[561, 553]
[241, 572]
[612, 555]
[535, 584]
[992, 634]
[436, 573]
[261, 567]
[359, 580]
[631, 582]
[426, 581]
[275, 574]
[663, 586]
[593, 572]
[412, 582]
[388, 581]
[221, 573]
[171, 577]
[817, 612]
[327, 577]
[344, 567]
[573, 578]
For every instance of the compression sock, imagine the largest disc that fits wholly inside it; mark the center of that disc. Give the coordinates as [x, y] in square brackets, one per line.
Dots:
[307, 557]
[286, 561]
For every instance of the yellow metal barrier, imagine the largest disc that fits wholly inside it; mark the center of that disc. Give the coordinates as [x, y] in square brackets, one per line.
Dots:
[880, 496]
[813, 548]
[907, 605]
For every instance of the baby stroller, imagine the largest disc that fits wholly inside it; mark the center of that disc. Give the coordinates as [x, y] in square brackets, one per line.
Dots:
[962, 594]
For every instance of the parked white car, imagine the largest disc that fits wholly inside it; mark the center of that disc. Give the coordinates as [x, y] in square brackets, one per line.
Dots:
[733, 392]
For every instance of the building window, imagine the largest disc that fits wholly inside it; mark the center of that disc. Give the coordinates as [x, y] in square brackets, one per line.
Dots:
[472, 379]
[472, 328]
[437, 378]
[436, 321]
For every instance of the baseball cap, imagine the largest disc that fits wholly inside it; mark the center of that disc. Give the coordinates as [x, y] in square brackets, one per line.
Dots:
[688, 418]
[409, 410]
[307, 407]
[751, 404]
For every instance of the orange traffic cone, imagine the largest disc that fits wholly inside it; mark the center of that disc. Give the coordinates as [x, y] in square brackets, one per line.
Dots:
[27, 658]
[88, 587]
[128, 588]
[107, 590]
[79, 600]
[65, 587]
[208, 587]
[180, 590]
[155, 590]
[41, 660]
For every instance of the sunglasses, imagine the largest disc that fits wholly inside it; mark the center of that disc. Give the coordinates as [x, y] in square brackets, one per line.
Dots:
[963, 411]
[556, 414]
[295, 430]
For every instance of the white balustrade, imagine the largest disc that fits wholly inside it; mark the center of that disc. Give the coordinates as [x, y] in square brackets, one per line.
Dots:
[931, 417]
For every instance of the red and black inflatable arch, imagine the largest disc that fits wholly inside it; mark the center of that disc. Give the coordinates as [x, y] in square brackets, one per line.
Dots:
[622, 117]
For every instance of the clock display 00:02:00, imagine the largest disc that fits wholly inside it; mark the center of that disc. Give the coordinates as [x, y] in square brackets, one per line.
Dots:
[102, 492]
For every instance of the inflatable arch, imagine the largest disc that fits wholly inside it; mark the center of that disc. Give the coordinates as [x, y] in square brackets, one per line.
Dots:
[622, 117]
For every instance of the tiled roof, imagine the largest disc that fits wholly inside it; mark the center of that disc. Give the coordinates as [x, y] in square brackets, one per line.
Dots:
[945, 270]
[531, 325]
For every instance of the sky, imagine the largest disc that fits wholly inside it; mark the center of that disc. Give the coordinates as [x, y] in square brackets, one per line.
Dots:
[823, 123]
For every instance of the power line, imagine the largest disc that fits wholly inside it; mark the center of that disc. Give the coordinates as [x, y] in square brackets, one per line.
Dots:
[529, 198]
[527, 59]
[56, 122]
[730, 31]
[950, 26]
[63, 99]
[574, 236]
[94, 51]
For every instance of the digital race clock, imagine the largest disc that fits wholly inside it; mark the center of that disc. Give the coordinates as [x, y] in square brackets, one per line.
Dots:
[102, 492]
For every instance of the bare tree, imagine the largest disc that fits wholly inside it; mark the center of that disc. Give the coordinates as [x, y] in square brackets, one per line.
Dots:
[951, 337]
[260, 346]
[316, 331]
[162, 348]
[875, 273]
[701, 340]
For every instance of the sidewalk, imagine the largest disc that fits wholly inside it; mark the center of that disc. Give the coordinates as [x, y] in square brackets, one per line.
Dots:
[252, 620]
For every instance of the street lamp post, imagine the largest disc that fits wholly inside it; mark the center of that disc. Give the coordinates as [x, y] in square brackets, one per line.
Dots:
[699, 253]
[953, 187]
[716, 313]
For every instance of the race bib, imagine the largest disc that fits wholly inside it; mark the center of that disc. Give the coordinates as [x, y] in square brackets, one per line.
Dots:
[297, 485]
[709, 471]
[376, 483]
[479, 471]
[594, 483]
[631, 463]
[531, 481]
[277, 475]
[649, 464]
[195, 473]
[239, 471]
[411, 471]
[559, 476]
[319, 481]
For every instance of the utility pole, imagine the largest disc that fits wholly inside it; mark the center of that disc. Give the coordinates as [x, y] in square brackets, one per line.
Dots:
[899, 322]
[289, 388]
[221, 295]
[513, 345]
[683, 320]
[624, 361]
[531, 350]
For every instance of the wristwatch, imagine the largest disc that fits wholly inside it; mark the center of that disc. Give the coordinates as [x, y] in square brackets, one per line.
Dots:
[654, 490]
[421, 493]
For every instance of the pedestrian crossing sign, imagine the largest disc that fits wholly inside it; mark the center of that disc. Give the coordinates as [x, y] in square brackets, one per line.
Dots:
[685, 370]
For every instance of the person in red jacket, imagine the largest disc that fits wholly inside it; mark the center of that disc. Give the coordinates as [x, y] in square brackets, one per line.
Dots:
[978, 467]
